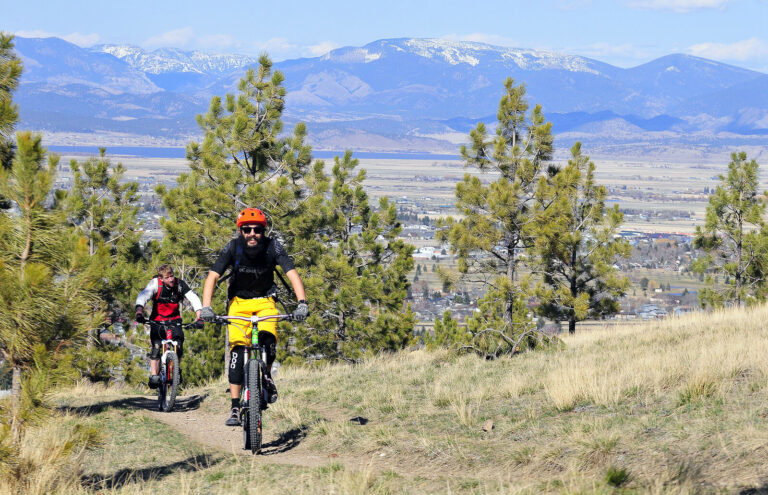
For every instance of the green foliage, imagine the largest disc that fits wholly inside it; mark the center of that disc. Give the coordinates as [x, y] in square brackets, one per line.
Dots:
[99, 362]
[203, 354]
[448, 333]
[496, 223]
[576, 243]
[616, 476]
[354, 268]
[734, 238]
[48, 278]
[103, 208]
[359, 282]
[10, 73]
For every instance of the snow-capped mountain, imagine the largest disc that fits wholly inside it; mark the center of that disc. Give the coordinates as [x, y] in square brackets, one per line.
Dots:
[391, 91]
[466, 52]
[55, 63]
[165, 60]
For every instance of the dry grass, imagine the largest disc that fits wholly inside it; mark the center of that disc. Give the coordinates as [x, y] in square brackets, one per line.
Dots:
[50, 458]
[677, 406]
[695, 357]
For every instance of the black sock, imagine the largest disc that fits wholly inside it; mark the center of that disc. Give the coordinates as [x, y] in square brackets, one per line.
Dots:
[235, 403]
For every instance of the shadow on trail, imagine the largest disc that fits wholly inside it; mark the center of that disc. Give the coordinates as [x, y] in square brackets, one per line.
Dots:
[286, 441]
[760, 490]
[127, 476]
[183, 404]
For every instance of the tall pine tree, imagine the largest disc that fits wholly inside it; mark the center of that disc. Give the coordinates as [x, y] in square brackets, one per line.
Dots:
[497, 219]
[48, 279]
[577, 245]
[10, 73]
[103, 209]
[243, 160]
[359, 283]
[352, 264]
[734, 238]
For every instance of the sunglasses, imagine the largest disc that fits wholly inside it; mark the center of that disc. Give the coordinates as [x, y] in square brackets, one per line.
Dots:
[256, 230]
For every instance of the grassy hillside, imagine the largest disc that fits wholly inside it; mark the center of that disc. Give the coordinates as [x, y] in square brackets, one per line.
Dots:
[678, 406]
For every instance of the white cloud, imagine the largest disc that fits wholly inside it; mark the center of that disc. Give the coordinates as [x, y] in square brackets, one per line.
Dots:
[490, 39]
[36, 33]
[217, 41]
[603, 50]
[321, 48]
[82, 39]
[677, 5]
[275, 46]
[740, 51]
[76, 38]
[177, 38]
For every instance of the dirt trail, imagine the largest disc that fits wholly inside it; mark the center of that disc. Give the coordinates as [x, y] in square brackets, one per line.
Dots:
[285, 447]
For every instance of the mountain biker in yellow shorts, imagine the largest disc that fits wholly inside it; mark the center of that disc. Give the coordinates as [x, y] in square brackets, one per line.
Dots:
[253, 258]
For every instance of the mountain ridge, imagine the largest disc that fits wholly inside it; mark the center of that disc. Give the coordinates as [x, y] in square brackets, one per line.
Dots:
[398, 86]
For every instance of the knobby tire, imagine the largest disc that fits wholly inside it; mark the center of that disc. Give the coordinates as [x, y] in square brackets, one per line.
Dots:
[171, 376]
[252, 425]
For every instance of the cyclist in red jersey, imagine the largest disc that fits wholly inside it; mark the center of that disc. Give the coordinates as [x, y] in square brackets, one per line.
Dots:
[167, 292]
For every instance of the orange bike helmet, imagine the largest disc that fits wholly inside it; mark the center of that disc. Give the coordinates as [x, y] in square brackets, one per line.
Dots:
[251, 215]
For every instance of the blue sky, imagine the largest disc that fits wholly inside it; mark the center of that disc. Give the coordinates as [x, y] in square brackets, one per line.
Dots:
[621, 32]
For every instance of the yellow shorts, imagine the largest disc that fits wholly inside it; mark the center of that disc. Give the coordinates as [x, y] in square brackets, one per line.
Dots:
[240, 331]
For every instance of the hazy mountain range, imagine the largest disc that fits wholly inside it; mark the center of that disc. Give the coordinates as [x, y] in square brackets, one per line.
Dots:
[395, 94]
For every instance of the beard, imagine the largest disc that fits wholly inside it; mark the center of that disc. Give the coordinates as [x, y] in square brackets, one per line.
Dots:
[253, 251]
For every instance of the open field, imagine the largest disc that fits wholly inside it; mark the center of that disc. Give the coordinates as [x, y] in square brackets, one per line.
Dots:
[651, 183]
[677, 406]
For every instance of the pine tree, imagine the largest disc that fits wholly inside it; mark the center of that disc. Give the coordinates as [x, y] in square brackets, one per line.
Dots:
[103, 208]
[359, 283]
[576, 244]
[10, 73]
[734, 238]
[244, 160]
[498, 217]
[447, 333]
[354, 268]
[48, 279]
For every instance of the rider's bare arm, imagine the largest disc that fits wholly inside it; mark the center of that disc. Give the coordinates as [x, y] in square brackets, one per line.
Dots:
[210, 285]
[298, 285]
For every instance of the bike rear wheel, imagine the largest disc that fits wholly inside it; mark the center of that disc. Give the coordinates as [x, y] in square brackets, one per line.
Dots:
[170, 382]
[252, 420]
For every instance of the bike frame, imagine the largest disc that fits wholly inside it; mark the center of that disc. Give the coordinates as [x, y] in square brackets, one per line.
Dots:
[255, 351]
[164, 344]
[250, 409]
[168, 345]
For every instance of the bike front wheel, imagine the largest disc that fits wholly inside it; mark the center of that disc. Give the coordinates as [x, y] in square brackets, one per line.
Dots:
[170, 382]
[252, 423]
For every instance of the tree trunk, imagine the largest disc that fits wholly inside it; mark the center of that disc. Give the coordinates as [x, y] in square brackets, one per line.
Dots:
[15, 402]
[572, 325]
[510, 302]
[342, 335]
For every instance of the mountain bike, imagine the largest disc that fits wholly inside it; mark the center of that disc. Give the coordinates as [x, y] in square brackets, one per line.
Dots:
[170, 374]
[253, 394]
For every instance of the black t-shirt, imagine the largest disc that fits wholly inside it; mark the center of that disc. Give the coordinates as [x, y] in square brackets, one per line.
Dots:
[253, 276]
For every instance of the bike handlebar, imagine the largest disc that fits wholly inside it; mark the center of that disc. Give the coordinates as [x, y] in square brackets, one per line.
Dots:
[252, 319]
[166, 323]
